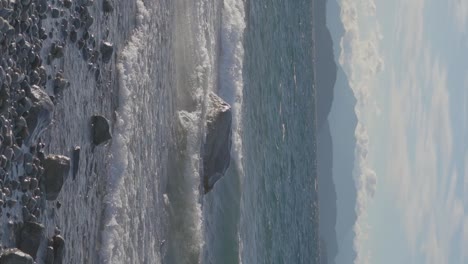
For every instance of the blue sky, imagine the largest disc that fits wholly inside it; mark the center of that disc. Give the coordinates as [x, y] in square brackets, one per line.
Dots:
[407, 63]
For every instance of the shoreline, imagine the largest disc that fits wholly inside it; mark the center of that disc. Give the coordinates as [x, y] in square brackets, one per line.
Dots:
[48, 49]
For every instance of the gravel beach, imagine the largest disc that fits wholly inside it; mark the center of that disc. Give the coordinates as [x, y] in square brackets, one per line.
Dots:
[52, 131]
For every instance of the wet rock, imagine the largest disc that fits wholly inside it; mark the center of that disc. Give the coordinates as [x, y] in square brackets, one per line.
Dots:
[33, 184]
[76, 22]
[60, 84]
[49, 255]
[67, 3]
[25, 212]
[56, 51]
[106, 50]
[55, 12]
[30, 238]
[107, 6]
[217, 147]
[59, 248]
[40, 113]
[56, 169]
[75, 160]
[11, 202]
[15, 256]
[100, 129]
[88, 22]
[14, 184]
[73, 36]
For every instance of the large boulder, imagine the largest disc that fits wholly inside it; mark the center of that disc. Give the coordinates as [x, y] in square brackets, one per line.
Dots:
[40, 114]
[100, 129]
[56, 169]
[15, 256]
[30, 238]
[217, 147]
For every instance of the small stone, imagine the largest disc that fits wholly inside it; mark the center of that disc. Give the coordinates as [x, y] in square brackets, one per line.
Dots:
[55, 12]
[76, 22]
[14, 184]
[88, 22]
[49, 255]
[32, 203]
[56, 51]
[28, 168]
[33, 184]
[107, 6]
[106, 50]
[11, 202]
[25, 212]
[25, 185]
[25, 199]
[73, 36]
[60, 84]
[75, 160]
[67, 3]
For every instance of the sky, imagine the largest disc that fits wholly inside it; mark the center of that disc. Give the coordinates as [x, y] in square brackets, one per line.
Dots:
[407, 63]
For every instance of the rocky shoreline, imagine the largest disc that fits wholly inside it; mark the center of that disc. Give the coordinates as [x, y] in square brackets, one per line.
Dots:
[32, 83]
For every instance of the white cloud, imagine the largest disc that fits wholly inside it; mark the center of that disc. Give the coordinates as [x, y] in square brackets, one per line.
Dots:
[459, 8]
[361, 60]
[420, 171]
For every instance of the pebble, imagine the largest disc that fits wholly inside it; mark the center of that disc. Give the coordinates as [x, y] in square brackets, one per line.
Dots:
[106, 50]
[107, 6]
[55, 12]
[11, 202]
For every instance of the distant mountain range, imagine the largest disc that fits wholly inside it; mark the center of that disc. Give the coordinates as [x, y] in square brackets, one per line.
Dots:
[336, 141]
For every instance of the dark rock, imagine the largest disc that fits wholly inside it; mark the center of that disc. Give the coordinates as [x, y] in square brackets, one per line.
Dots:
[100, 129]
[88, 2]
[40, 113]
[59, 248]
[30, 238]
[76, 22]
[60, 84]
[217, 147]
[25, 212]
[88, 22]
[67, 3]
[55, 13]
[14, 184]
[73, 36]
[49, 256]
[56, 169]
[11, 202]
[33, 184]
[107, 6]
[107, 50]
[75, 160]
[56, 51]
[15, 256]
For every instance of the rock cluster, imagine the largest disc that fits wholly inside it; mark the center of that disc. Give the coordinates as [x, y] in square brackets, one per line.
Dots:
[30, 86]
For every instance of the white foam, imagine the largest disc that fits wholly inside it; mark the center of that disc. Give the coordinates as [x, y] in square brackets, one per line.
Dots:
[230, 88]
[230, 69]
[116, 239]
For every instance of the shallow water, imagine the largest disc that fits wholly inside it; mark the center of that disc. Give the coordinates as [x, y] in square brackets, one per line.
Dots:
[137, 199]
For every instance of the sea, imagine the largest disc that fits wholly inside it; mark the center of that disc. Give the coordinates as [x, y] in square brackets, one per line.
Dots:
[138, 198]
